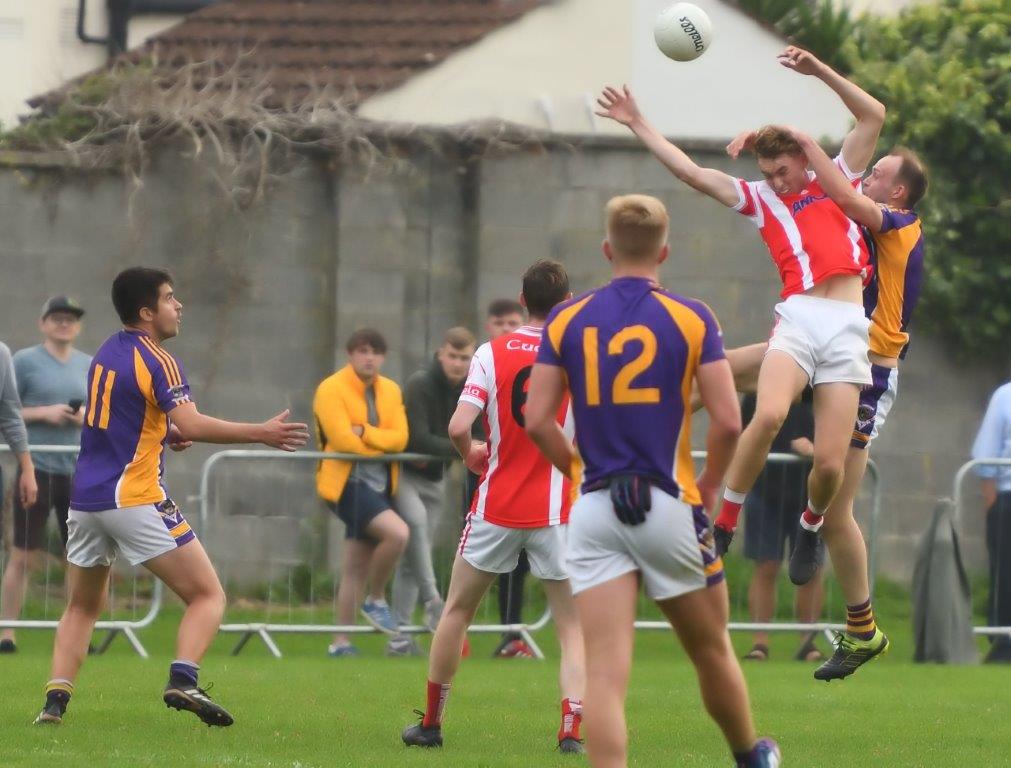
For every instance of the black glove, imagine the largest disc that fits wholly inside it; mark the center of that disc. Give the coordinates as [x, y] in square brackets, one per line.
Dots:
[631, 497]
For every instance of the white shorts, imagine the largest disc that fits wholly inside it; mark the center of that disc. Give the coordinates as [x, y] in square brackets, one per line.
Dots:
[827, 338]
[876, 401]
[673, 550]
[496, 549]
[140, 533]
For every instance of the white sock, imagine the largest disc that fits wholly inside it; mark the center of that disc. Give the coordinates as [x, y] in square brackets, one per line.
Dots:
[735, 497]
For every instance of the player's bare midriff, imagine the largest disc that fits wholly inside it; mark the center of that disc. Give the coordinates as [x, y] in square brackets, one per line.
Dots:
[848, 288]
[884, 362]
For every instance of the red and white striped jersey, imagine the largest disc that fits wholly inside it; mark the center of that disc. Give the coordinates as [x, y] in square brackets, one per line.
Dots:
[808, 236]
[520, 488]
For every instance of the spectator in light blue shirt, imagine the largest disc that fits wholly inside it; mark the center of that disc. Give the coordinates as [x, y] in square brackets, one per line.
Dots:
[994, 442]
[52, 386]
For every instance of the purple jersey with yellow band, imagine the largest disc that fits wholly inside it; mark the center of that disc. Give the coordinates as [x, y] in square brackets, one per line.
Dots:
[630, 352]
[891, 297]
[133, 384]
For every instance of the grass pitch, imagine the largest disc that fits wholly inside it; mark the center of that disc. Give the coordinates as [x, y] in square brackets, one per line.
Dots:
[308, 710]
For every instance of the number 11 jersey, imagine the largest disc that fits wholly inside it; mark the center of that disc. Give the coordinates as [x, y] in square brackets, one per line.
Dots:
[520, 488]
[630, 351]
[133, 384]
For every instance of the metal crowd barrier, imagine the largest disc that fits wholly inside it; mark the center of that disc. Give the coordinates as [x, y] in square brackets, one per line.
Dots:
[264, 630]
[115, 627]
[958, 494]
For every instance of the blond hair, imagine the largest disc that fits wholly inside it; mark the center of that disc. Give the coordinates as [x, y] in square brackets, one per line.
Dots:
[636, 226]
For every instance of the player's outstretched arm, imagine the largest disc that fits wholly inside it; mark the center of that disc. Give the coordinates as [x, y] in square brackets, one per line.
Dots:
[716, 388]
[473, 452]
[858, 146]
[620, 106]
[858, 207]
[276, 432]
[547, 389]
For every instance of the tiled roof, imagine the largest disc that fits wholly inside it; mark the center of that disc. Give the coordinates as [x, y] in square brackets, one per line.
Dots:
[358, 46]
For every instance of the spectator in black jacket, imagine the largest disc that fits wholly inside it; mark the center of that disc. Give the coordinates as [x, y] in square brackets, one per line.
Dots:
[430, 397]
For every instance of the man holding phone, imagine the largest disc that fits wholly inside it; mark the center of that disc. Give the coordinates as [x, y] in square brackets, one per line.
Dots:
[52, 383]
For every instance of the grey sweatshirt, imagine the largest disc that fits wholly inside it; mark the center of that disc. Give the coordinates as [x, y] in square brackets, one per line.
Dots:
[12, 425]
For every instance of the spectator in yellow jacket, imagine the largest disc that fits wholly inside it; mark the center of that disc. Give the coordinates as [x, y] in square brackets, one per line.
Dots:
[358, 411]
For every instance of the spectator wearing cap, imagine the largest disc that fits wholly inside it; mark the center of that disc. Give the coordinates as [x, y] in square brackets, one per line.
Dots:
[52, 386]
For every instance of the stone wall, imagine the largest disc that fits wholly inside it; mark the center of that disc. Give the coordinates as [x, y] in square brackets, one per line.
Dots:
[271, 292]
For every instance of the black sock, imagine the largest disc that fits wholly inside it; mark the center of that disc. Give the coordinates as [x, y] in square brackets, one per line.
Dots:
[58, 692]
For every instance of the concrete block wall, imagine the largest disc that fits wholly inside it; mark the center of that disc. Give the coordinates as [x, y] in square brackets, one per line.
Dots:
[271, 293]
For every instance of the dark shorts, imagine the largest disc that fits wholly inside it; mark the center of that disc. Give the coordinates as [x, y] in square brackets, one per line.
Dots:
[358, 506]
[772, 509]
[30, 524]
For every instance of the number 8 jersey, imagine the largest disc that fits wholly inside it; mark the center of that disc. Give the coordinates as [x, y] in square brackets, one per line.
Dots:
[630, 351]
[520, 488]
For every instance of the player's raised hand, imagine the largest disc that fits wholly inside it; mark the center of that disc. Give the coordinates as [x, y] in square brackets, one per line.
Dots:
[618, 105]
[802, 138]
[800, 61]
[282, 434]
[741, 142]
[477, 457]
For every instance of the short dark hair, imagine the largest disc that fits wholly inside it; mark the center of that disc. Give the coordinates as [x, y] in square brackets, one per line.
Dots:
[136, 288]
[545, 284]
[366, 337]
[911, 174]
[502, 307]
[459, 338]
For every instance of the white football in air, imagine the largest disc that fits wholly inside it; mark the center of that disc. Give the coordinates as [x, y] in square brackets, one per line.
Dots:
[683, 32]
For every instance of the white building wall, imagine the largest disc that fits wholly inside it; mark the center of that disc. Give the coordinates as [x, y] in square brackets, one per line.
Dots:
[544, 71]
[541, 70]
[39, 49]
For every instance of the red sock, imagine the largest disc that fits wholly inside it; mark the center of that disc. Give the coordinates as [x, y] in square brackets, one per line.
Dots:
[730, 510]
[811, 519]
[572, 717]
[437, 695]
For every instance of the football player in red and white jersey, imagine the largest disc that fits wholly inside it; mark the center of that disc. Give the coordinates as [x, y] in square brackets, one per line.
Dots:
[821, 334]
[522, 503]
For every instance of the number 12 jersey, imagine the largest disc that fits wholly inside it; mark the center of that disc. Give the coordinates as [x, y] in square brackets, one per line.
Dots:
[630, 352]
[520, 488]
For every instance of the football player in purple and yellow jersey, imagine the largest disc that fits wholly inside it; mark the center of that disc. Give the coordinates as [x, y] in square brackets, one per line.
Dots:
[138, 403]
[628, 355]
